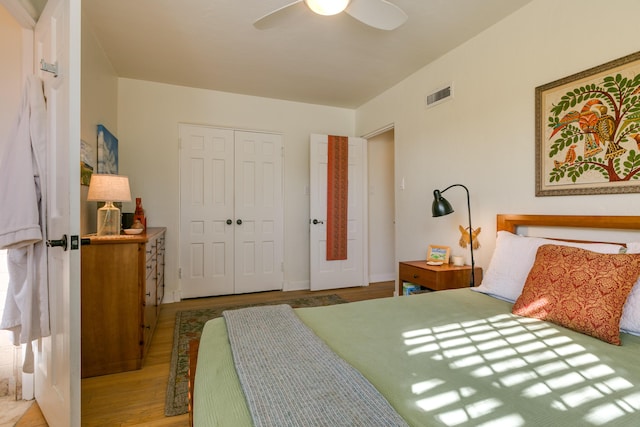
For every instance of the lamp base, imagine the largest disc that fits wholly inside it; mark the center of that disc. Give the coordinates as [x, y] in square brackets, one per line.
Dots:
[108, 220]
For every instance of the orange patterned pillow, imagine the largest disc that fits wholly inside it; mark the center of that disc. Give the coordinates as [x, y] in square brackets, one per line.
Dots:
[579, 289]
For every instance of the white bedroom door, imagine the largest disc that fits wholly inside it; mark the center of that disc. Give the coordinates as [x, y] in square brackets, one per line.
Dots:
[57, 364]
[352, 271]
[231, 211]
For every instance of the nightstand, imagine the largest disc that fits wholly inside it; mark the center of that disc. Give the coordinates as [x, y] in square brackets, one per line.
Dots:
[436, 277]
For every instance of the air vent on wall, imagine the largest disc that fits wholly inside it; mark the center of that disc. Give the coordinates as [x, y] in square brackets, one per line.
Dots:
[439, 96]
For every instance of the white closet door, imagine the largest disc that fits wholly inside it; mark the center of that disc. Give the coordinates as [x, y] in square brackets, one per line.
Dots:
[258, 211]
[206, 207]
[231, 211]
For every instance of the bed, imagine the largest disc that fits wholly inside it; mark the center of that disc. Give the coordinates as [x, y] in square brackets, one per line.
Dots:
[463, 358]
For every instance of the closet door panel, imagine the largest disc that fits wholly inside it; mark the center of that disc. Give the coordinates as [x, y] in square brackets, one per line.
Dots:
[259, 206]
[206, 205]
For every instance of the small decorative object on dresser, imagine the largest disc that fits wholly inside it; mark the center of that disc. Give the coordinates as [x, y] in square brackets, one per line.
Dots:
[138, 215]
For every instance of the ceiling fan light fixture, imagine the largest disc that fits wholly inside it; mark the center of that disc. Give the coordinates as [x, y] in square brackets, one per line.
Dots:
[327, 7]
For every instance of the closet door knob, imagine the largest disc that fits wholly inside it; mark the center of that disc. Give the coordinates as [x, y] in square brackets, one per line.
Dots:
[229, 222]
[239, 222]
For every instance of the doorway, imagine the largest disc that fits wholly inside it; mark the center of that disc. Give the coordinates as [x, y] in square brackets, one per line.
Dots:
[381, 211]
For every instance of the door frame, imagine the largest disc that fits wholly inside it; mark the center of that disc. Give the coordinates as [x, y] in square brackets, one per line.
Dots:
[394, 197]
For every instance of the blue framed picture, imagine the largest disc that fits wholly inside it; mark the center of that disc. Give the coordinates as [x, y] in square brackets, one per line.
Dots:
[107, 151]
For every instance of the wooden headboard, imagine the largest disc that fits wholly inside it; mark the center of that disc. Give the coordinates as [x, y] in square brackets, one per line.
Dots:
[510, 222]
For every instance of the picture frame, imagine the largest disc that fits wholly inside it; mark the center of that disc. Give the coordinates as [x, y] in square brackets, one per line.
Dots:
[587, 132]
[437, 253]
[107, 151]
[86, 163]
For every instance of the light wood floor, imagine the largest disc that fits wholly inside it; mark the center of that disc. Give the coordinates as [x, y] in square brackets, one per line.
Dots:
[137, 398]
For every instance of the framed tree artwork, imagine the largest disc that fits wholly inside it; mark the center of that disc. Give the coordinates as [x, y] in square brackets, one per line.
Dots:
[588, 131]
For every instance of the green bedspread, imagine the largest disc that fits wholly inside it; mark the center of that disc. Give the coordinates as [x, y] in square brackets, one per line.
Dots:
[453, 358]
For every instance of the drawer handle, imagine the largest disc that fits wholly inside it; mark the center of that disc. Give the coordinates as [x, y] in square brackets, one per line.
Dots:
[148, 294]
[415, 276]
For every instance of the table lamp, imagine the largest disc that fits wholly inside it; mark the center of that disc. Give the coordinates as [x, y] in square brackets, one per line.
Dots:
[441, 207]
[108, 188]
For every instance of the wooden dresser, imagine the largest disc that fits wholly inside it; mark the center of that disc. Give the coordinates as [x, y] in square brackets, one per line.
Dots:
[122, 290]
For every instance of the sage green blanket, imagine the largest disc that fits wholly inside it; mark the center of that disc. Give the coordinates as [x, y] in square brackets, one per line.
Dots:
[452, 358]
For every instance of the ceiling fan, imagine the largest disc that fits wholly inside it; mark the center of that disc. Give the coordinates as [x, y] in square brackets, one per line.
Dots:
[378, 14]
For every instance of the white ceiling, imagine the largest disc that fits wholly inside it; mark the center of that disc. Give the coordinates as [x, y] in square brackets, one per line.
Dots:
[335, 61]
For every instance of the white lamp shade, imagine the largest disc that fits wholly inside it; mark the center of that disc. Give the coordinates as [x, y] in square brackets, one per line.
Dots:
[327, 7]
[109, 188]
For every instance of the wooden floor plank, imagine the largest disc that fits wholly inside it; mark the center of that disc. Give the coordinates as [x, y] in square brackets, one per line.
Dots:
[137, 398]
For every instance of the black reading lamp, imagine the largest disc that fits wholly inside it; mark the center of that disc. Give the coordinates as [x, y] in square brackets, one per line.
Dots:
[442, 207]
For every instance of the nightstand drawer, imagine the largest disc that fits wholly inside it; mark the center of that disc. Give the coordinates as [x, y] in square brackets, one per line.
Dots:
[417, 275]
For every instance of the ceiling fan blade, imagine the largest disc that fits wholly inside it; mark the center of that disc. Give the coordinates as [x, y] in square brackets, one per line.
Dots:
[377, 13]
[272, 19]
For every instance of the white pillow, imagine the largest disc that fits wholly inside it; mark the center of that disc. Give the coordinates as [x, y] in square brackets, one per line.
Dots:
[513, 258]
[630, 320]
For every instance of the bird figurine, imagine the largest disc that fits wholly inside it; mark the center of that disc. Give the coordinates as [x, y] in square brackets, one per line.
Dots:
[465, 237]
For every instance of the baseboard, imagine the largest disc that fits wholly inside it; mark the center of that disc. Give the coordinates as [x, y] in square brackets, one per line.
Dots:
[382, 277]
[300, 285]
[173, 296]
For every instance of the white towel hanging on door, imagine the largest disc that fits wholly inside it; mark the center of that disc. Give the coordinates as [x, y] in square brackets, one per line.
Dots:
[23, 222]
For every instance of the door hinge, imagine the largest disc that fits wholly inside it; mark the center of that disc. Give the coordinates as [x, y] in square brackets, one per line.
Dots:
[179, 273]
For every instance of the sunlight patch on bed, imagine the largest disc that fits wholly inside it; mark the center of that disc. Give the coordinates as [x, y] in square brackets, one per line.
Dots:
[512, 420]
[469, 412]
[607, 412]
[424, 386]
[527, 355]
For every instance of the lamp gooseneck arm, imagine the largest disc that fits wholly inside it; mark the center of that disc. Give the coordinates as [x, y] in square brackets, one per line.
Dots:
[473, 281]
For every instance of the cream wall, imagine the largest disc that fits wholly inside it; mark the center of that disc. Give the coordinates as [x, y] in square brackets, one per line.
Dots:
[484, 137]
[148, 117]
[99, 104]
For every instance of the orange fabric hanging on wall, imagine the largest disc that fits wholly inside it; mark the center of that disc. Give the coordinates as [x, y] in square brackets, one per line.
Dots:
[337, 197]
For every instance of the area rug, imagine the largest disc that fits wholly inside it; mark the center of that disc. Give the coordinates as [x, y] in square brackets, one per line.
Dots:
[189, 324]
